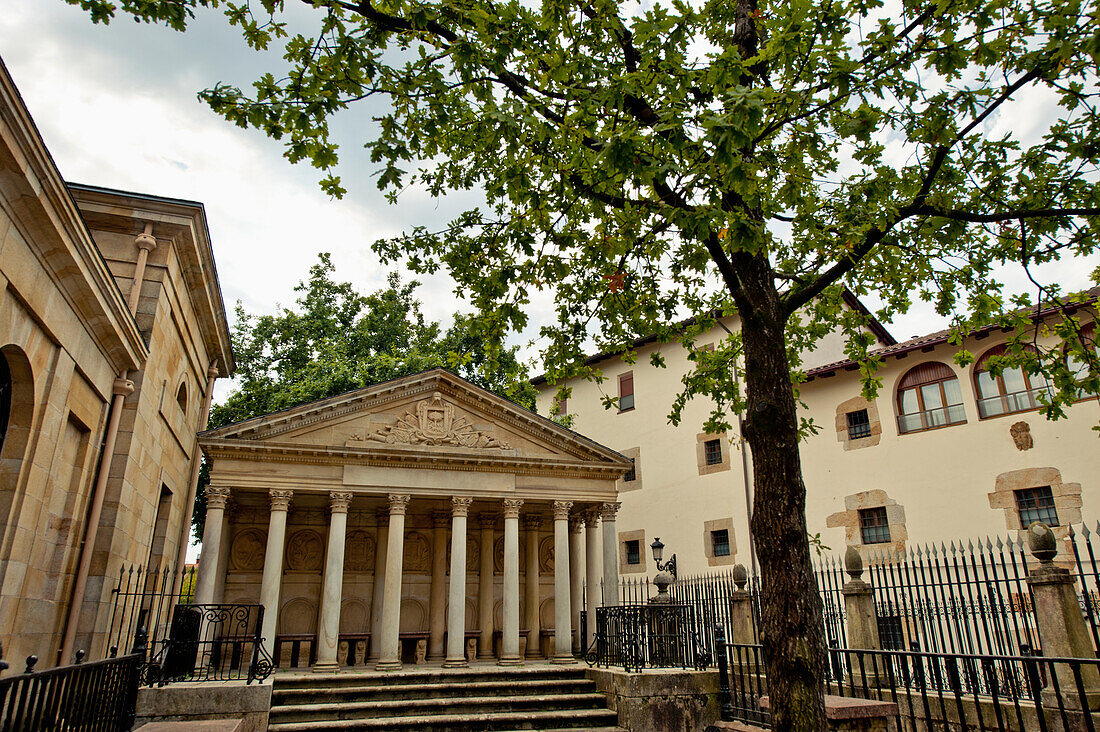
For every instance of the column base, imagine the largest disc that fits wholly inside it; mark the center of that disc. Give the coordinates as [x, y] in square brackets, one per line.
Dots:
[456, 663]
[387, 666]
[563, 660]
[326, 668]
[516, 661]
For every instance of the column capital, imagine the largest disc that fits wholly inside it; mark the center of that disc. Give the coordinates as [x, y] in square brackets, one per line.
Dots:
[561, 510]
[460, 505]
[487, 521]
[576, 521]
[339, 501]
[591, 518]
[440, 519]
[532, 521]
[216, 496]
[399, 503]
[512, 506]
[280, 498]
[608, 510]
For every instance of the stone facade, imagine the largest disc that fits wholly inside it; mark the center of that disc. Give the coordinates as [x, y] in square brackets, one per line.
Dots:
[112, 330]
[955, 480]
[354, 525]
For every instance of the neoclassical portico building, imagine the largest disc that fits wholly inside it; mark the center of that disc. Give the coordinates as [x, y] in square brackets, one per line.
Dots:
[420, 518]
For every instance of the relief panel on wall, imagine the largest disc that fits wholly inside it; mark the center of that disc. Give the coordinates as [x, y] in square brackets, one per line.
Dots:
[359, 552]
[305, 552]
[247, 552]
[418, 553]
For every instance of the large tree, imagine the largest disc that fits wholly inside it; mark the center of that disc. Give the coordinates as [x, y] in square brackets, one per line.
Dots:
[642, 162]
[335, 339]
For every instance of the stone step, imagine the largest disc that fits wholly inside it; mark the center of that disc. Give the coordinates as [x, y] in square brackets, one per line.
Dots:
[470, 706]
[365, 677]
[374, 692]
[557, 720]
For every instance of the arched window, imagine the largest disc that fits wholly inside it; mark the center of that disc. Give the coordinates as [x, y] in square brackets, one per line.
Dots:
[16, 413]
[1012, 391]
[929, 396]
[181, 397]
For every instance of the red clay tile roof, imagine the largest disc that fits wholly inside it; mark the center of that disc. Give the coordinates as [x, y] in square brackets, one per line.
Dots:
[928, 341]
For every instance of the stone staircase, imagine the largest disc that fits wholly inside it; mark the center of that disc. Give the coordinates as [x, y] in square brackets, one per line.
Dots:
[557, 699]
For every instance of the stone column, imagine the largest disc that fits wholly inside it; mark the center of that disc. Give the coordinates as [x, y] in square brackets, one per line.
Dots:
[563, 638]
[576, 581]
[437, 597]
[485, 523]
[456, 600]
[381, 539]
[610, 554]
[740, 630]
[509, 641]
[273, 564]
[592, 573]
[328, 635]
[1061, 625]
[531, 524]
[389, 657]
[859, 604]
[209, 566]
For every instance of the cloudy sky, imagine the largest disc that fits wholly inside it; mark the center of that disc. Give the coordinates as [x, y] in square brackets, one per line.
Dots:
[117, 107]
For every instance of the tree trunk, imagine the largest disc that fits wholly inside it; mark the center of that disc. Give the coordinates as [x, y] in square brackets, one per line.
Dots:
[793, 633]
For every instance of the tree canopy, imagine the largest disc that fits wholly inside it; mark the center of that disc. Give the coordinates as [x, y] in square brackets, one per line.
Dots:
[642, 162]
[335, 340]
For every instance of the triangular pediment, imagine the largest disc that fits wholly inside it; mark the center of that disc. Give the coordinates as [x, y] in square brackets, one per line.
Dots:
[434, 412]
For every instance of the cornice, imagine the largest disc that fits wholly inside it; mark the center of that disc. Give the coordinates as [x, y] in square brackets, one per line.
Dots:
[391, 455]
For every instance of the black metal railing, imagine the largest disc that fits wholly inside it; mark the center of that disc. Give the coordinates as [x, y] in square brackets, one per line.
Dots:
[222, 642]
[934, 690]
[657, 635]
[144, 598]
[968, 597]
[97, 696]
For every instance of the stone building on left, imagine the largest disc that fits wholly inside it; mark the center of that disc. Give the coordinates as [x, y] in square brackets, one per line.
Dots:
[112, 332]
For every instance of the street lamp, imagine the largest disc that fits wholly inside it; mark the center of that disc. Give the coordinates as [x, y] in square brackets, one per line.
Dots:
[666, 572]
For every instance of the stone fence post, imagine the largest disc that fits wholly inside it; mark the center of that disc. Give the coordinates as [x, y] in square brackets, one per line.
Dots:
[1062, 630]
[859, 604]
[740, 630]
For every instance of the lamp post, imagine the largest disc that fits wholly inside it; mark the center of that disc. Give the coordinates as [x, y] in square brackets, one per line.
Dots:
[666, 572]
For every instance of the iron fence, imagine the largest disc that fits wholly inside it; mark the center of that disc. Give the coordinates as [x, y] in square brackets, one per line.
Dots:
[968, 597]
[945, 691]
[144, 598]
[658, 635]
[98, 696]
[220, 642]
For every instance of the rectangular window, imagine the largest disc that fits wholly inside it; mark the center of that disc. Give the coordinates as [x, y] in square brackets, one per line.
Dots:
[631, 475]
[713, 452]
[890, 633]
[561, 406]
[859, 424]
[720, 542]
[626, 392]
[633, 552]
[1036, 504]
[872, 525]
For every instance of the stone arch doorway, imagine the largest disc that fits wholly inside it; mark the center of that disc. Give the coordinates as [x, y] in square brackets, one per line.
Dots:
[16, 413]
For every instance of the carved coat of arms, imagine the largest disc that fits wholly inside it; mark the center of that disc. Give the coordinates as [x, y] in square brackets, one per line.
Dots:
[435, 423]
